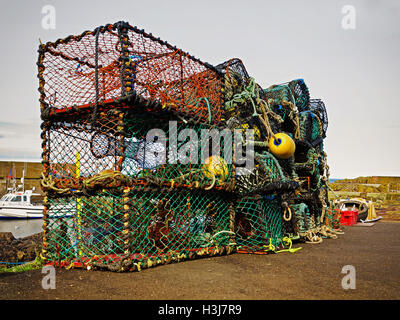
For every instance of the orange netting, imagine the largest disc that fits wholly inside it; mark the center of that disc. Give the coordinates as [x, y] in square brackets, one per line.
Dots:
[119, 61]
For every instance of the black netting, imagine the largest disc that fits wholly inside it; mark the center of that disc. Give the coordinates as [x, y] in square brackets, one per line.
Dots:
[234, 67]
[300, 93]
[317, 106]
[310, 127]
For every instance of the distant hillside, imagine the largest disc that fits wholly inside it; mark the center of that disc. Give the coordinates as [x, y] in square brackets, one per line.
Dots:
[371, 180]
[374, 184]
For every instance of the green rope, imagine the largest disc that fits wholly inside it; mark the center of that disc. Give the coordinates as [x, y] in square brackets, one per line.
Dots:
[208, 107]
[248, 94]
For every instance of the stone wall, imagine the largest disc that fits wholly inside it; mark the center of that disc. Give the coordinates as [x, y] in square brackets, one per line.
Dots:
[32, 174]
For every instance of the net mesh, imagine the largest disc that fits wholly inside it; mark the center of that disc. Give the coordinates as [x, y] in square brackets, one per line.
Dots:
[266, 176]
[301, 94]
[317, 106]
[187, 159]
[132, 230]
[234, 68]
[258, 222]
[310, 127]
[78, 150]
[135, 149]
[119, 60]
[276, 94]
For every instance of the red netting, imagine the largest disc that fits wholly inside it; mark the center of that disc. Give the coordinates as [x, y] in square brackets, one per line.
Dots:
[95, 68]
[70, 70]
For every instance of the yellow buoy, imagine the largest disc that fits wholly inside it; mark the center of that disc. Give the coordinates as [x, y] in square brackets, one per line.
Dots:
[215, 166]
[282, 146]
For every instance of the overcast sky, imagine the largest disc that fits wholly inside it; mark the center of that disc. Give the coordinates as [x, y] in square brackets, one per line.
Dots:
[354, 71]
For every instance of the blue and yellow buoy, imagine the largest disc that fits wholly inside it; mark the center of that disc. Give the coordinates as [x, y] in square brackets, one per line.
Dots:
[282, 146]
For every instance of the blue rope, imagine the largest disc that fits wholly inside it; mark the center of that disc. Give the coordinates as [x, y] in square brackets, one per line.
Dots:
[12, 263]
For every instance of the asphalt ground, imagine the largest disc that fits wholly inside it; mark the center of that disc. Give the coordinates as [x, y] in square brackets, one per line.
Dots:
[314, 272]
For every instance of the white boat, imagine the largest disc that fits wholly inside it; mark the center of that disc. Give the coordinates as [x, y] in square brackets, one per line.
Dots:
[353, 204]
[366, 210]
[21, 205]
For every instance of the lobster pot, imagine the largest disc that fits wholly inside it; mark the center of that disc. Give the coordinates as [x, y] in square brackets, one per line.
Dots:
[276, 94]
[285, 100]
[170, 153]
[79, 228]
[311, 129]
[295, 92]
[234, 68]
[258, 222]
[302, 218]
[317, 107]
[120, 63]
[306, 159]
[139, 148]
[301, 94]
[307, 217]
[137, 229]
[76, 148]
[267, 176]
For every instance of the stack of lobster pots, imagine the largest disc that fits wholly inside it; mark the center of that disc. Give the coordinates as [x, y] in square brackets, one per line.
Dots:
[151, 156]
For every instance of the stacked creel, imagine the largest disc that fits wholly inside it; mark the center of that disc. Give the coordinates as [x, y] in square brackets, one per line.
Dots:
[124, 191]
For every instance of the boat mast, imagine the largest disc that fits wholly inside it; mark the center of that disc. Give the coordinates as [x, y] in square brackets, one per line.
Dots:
[14, 178]
[23, 180]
